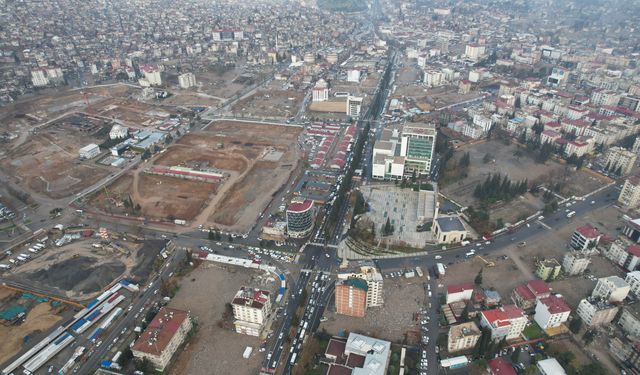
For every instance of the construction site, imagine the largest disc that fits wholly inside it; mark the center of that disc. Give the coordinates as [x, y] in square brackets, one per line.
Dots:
[272, 102]
[221, 177]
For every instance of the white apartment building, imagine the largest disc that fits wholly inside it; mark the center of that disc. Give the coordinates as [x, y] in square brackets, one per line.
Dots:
[630, 322]
[474, 51]
[320, 92]
[250, 310]
[418, 145]
[612, 289]
[624, 254]
[585, 238]
[353, 75]
[89, 151]
[596, 311]
[354, 105]
[505, 322]
[551, 312]
[463, 336]
[605, 97]
[630, 193]
[187, 80]
[433, 78]
[633, 279]
[618, 157]
[575, 263]
[375, 283]
[39, 78]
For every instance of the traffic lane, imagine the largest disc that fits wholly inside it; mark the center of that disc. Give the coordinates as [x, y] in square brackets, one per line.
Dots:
[98, 355]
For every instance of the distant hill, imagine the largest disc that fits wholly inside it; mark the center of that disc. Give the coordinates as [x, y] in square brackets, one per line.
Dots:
[342, 5]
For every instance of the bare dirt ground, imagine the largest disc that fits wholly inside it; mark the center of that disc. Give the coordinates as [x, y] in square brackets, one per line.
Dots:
[215, 350]
[192, 99]
[80, 271]
[270, 103]
[334, 106]
[402, 299]
[39, 318]
[48, 162]
[164, 197]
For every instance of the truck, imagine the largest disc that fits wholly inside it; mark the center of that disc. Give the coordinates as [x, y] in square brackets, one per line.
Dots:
[419, 271]
[440, 271]
[247, 352]
[293, 359]
[180, 222]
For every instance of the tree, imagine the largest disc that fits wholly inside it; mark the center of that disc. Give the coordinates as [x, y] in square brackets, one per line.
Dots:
[387, 229]
[211, 236]
[487, 158]
[145, 366]
[478, 279]
[515, 355]
[588, 337]
[465, 160]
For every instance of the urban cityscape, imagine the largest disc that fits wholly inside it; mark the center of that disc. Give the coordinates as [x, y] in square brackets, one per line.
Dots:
[320, 187]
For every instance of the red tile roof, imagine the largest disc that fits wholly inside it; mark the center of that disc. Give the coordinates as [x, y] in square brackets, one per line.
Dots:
[555, 304]
[355, 360]
[300, 206]
[498, 366]
[538, 287]
[588, 231]
[160, 331]
[459, 288]
[339, 370]
[335, 348]
[504, 313]
[634, 250]
[524, 292]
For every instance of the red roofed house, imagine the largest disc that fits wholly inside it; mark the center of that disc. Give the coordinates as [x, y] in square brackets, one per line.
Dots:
[549, 136]
[250, 310]
[505, 322]
[459, 292]
[585, 238]
[498, 366]
[551, 312]
[526, 295]
[624, 254]
[162, 337]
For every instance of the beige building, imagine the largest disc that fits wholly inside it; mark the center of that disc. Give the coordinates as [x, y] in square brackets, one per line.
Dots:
[630, 321]
[548, 269]
[463, 336]
[449, 230]
[612, 288]
[618, 157]
[630, 193]
[162, 337]
[187, 80]
[596, 311]
[250, 310]
[367, 271]
[633, 279]
[575, 263]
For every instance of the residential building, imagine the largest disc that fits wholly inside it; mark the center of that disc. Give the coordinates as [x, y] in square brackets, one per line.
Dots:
[250, 310]
[39, 78]
[118, 132]
[152, 76]
[632, 230]
[575, 263]
[500, 366]
[187, 80]
[549, 136]
[630, 193]
[354, 105]
[596, 311]
[526, 295]
[621, 160]
[449, 229]
[418, 146]
[433, 78]
[505, 322]
[474, 51]
[551, 312]
[459, 292]
[548, 269]
[604, 97]
[359, 355]
[351, 297]
[612, 289]
[629, 321]
[89, 151]
[367, 271]
[624, 254]
[585, 238]
[463, 337]
[633, 279]
[550, 366]
[300, 217]
[353, 75]
[320, 92]
[162, 337]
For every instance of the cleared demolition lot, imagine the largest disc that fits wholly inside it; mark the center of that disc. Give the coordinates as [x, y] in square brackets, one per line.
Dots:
[217, 348]
[393, 321]
[48, 162]
[493, 157]
[254, 160]
[81, 270]
[271, 103]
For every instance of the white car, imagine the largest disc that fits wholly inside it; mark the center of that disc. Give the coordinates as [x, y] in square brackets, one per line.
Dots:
[438, 257]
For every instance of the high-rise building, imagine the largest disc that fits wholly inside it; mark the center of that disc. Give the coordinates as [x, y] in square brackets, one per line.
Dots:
[575, 263]
[351, 297]
[474, 51]
[39, 78]
[354, 105]
[620, 159]
[585, 238]
[368, 272]
[320, 92]
[630, 193]
[187, 80]
[612, 289]
[250, 310]
[418, 145]
[300, 218]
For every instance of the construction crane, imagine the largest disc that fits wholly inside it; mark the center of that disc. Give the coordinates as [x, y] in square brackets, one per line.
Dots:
[488, 263]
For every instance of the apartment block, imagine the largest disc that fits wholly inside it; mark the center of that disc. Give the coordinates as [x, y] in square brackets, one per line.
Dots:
[526, 295]
[367, 271]
[250, 310]
[575, 263]
[505, 322]
[624, 254]
[633, 279]
[620, 158]
[585, 238]
[630, 193]
[596, 311]
[551, 312]
[463, 337]
[612, 289]
[351, 297]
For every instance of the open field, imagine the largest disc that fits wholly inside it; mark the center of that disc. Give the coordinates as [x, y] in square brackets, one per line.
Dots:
[192, 99]
[334, 106]
[270, 103]
[48, 162]
[40, 316]
[503, 159]
[81, 271]
[257, 159]
[402, 299]
[226, 82]
[215, 349]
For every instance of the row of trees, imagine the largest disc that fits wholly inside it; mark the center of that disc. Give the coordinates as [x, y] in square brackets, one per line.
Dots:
[497, 187]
